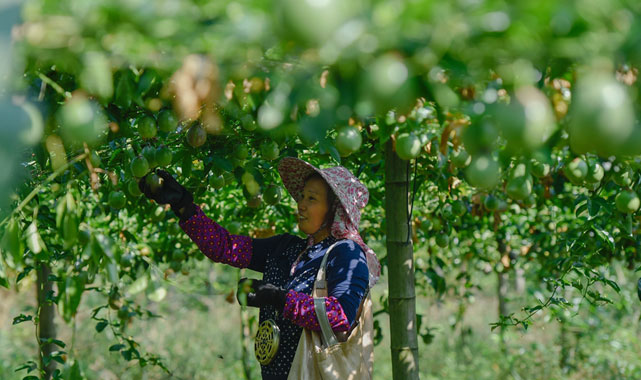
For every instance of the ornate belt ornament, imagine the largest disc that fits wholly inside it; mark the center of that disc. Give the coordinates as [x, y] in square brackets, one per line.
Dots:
[266, 341]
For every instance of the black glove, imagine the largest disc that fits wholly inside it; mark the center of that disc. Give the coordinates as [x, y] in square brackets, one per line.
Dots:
[168, 191]
[259, 293]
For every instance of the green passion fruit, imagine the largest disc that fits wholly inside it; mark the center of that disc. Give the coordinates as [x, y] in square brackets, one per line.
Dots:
[269, 150]
[117, 199]
[576, 170]
[163, 156]
[139, 166]
[627, 201]
[146, 127]
[272, 195]
[348, 140]
[167, 121]
[196, 136]
[483, 172]
[408, 146]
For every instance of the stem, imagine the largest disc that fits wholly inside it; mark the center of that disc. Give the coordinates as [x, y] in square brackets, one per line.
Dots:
[54, 85]
[35, 191]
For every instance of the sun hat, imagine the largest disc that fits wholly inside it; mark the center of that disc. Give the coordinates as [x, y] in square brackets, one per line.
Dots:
[351, 194]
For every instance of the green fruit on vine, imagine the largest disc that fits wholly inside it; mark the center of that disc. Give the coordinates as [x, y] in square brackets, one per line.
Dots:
[234, 228]
[146, 127]
[248, 122]
[627, 201]
[387, 84]
[241, 152]
[595, 173]
[163, 156]
[519, 188]
[491, 202]
[149, 152]
[348, 140]
[117, 200]
[442, 240]
[154, 181]
[460, 158]
[139, 166]
[312, 23]
[178, 255]
[602, 116]
[539, 169]
[133, 189]
[167, 121]
[158, 214]
[483, 172]
[480, 137]
[426, 225]
[217, 181]
[269, 150]
[81, 121]
[459, 208]
[272, 195]
[196, 136]
[623, 176]
[576, 170]
[527, 121]
[408, 146]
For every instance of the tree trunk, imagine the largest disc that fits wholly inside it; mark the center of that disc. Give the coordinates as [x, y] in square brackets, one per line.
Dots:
[402, 298]
[46, 324]
[502, 296]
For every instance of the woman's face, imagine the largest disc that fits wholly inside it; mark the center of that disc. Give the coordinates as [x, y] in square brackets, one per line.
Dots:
[313, 206]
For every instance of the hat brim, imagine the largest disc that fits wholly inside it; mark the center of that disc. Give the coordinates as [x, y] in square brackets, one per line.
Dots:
[293, 172]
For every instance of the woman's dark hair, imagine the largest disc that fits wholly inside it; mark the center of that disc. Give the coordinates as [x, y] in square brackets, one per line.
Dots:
[332, 201]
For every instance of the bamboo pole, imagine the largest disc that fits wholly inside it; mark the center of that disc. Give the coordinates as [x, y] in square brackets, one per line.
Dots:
[402, 298]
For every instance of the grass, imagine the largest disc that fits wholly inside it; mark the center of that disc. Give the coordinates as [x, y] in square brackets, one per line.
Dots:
[198, 336]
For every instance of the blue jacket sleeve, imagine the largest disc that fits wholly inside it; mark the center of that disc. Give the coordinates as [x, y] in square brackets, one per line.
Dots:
[348, 277]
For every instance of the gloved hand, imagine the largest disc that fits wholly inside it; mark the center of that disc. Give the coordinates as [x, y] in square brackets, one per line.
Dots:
[166, 190]
[258, 293]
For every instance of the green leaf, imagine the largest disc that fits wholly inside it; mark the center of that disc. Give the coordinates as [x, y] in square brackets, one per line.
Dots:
[139, 285]
[117, 347]
[101, 326]
[605, 237]
[22, 318]
[126, 355]
[29, 366]
[75, 373]
[11, 240]
[24, 273]
[34, 241]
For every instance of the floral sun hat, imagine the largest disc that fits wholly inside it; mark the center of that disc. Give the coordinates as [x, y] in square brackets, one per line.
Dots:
[350, 192]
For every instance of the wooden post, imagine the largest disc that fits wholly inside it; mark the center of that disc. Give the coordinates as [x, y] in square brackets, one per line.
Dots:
[400, 257]
[46, 324]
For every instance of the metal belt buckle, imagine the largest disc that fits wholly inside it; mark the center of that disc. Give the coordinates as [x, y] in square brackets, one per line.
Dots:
[266, 341]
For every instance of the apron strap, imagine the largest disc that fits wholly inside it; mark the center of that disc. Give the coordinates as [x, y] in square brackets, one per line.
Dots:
[320, 292]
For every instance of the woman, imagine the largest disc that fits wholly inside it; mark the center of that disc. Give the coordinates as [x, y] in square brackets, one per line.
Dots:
[329, 204]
